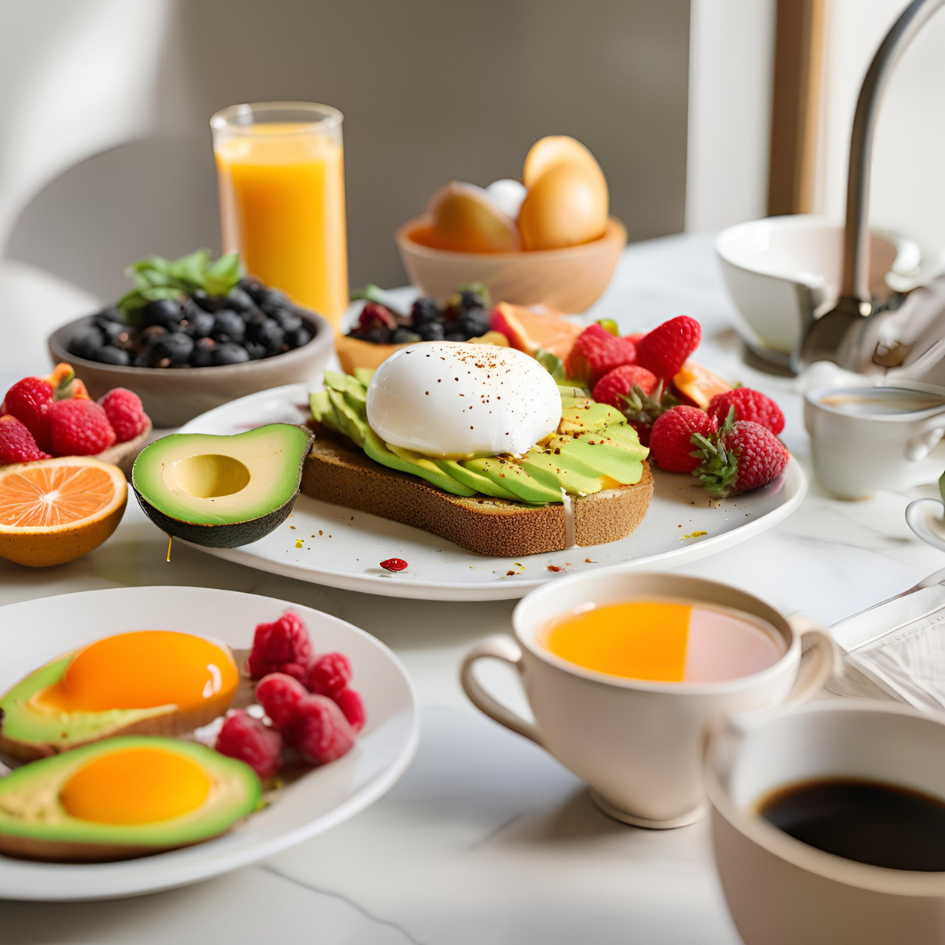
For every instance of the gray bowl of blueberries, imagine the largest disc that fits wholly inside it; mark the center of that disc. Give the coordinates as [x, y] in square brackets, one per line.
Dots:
[194, 342]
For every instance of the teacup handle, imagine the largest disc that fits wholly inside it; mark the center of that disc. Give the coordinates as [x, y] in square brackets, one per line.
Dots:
[820, 659]
[498, 647]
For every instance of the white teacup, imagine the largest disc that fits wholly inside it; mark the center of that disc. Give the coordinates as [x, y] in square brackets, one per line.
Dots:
[637, 743]
[782, 891]
[864, 439]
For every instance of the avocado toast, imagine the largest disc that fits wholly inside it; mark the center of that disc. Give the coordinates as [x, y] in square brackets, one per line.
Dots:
[584, 482]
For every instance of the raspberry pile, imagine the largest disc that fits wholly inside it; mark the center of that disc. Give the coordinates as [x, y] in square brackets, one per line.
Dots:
[309, 704]
[727, 438]
[54, 416]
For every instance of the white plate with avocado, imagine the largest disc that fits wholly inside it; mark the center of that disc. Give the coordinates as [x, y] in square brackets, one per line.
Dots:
[339, 547]
[310, 804]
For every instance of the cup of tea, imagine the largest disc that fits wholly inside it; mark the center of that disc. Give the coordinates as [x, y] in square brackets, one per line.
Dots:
[828, 823]
[623, 671]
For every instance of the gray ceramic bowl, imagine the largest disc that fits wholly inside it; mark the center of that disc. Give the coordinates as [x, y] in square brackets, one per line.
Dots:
[172, 396]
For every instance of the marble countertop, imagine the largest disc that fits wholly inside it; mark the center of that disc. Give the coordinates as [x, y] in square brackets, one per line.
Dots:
[486, 838]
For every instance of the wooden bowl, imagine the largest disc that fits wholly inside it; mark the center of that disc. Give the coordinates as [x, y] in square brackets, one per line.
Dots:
[569, 280]
[172, 396]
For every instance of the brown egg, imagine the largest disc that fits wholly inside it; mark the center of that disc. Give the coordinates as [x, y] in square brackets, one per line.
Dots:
[556, 149]
[464, 219]
[567, 205]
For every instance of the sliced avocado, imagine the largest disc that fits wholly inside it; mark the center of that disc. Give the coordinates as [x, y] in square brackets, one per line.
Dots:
[469, 477]
[608, 457]
[222, 491]
[517, 480]
[356, 396]
[555, 472]
[347, 418]
[335, 380]
[363, 375]
[589, 418]
[46, 812]
[322, 410]
[426, 468]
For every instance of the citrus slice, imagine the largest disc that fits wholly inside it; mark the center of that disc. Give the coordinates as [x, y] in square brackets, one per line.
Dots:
[528, 331]
[699, 384]
[57, 510]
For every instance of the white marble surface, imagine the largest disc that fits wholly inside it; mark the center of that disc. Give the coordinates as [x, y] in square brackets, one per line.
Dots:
[486, 839]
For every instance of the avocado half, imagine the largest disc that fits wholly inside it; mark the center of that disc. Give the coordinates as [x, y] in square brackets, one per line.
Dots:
[222, 491]
[35, 824]
[29, 731]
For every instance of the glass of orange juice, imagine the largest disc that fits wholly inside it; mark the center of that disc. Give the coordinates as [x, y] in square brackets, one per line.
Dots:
[280, 168]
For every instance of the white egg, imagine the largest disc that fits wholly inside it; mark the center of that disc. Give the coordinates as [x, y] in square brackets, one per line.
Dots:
[507, 195]
[457, 400]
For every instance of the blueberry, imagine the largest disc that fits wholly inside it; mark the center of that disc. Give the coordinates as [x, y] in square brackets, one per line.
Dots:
[199, 324]
[141, 360]
[251, 286]
[301, 336]
[166, 313]
[172, 350]
[202, 355]
[470, 298]
[266, 333]
[209, 303]
[404, 336]
[119, 335]
[109, 316]
[432, 331]
[255, 351]
[148, 336]
[473, 323]
[239, 300]
[286, 319]
[229, 353]
[87, 342]
[270, 299]
[455, 336]
[424, 311]
[108, 354]
[227, 322]
[377, 336]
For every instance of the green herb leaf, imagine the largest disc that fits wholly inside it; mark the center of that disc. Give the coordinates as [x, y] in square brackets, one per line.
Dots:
[551, 363]
[221, 276]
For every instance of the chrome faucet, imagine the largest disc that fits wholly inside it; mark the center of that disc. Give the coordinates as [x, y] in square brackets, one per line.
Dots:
[848, 334]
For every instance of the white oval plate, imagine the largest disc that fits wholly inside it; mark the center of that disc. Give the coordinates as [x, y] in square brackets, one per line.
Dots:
[344, 548]
[319, 800]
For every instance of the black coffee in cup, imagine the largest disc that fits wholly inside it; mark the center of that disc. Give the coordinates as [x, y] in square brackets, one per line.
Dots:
[868, 821]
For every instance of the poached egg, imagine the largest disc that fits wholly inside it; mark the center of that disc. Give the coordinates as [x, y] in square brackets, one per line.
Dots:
[455, 400]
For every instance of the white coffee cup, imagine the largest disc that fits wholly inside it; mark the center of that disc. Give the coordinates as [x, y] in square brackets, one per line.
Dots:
[638, 744]
[864, 439]
[782, 891]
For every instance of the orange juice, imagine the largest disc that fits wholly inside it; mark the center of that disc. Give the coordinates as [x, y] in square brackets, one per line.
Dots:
[282, 205]
[664, 641]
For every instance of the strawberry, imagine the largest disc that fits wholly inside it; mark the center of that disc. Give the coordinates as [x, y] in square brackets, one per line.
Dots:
[596, 352]
[79, 428]
[748, 405]
[17, 444]
[671, 441]
[742, 456]
[614, 387]
[665, 349]
[29, 400]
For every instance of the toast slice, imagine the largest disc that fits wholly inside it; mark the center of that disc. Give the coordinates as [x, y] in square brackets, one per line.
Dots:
[343, 475]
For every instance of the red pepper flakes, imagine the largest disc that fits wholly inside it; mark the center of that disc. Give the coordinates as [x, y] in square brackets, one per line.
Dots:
[394, 564]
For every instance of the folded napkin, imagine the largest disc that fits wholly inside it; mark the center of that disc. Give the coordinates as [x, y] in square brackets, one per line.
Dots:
[896, 650]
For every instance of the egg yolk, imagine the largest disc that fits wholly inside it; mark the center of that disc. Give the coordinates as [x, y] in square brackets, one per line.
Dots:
[135, 786]
[143, 669]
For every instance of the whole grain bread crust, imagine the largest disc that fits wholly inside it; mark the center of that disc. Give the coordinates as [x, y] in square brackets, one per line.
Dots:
[343, 475]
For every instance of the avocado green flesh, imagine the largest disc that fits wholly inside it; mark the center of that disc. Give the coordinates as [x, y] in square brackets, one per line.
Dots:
[222, 491]
[23, 721]
[537, 478]
[30, 805]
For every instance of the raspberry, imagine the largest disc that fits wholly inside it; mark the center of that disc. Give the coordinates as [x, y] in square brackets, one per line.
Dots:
[320, 732]
[79, 428]
[16, 443]
[375, 315]
[125, 413]
[596, 351]
[282, 646]
[280, 695]
[252, 741]
[615, 385]
[749, 405]
[664, 350]
[352, 706]
[742, 456]
[329, 674]
[671, 445]
[29, 401]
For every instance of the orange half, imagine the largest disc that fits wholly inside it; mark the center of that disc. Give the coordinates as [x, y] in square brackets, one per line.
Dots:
[57, 510]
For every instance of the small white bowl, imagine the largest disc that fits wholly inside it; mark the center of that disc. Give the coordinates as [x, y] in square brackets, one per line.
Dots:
[780, 271]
